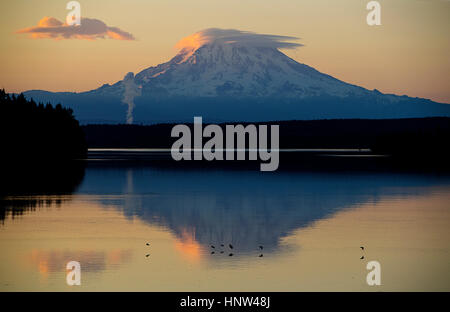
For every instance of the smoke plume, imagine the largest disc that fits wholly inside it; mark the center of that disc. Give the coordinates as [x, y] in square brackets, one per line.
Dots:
[131, 91]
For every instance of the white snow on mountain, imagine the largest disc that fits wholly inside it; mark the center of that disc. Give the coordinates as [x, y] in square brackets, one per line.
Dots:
[210, 67]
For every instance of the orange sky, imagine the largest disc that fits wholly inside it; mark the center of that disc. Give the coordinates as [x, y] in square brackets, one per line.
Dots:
[408, 54]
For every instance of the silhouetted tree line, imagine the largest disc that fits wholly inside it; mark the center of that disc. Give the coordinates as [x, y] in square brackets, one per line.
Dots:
[387, 136]
[31, 130]
[410, 143]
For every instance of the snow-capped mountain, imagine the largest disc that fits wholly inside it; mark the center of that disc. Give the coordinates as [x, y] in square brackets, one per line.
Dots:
[219, 69]
[228, 75]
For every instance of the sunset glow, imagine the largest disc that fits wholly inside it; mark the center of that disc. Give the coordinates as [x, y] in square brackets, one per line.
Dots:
[189, 248]
[192, 42]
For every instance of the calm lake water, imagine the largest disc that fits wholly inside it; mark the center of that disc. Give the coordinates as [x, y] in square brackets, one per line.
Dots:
[310, 224]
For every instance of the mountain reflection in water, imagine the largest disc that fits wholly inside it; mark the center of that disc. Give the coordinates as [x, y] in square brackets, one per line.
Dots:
[247, 209]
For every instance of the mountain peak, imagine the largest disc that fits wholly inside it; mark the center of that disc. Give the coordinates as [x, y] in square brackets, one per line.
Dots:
[217, 62]
[228, 39]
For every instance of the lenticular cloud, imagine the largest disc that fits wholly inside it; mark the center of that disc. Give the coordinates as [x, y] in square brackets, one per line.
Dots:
[90, 29]
[239, 37]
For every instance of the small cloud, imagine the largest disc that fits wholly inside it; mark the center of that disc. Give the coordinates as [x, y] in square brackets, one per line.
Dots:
[90, 29]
